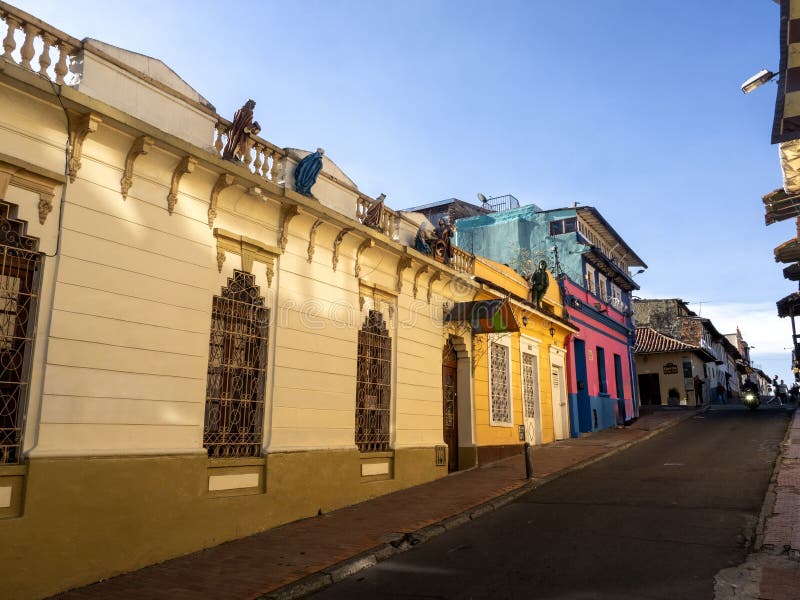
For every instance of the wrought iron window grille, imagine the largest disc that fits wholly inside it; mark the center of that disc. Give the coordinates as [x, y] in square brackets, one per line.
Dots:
[530, 384]
[237, 370]
[373, 385]
[20, 271]
[499, 391]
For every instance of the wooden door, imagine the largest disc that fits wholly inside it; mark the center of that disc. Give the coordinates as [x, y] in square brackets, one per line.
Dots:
[450, 404]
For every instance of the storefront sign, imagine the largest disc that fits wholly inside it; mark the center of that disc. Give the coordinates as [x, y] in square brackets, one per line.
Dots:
[670, 369]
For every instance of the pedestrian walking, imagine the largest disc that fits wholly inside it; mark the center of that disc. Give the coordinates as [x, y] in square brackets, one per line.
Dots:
[720, 393]
[779, 390]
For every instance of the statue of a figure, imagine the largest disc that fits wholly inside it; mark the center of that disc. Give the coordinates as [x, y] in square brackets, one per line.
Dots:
[421, 243]
[374, 215]
[241, 128]
[445, 232]
[539, 282]
[305, 175]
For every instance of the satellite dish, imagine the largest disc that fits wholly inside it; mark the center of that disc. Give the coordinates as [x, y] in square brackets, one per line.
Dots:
[482, 198]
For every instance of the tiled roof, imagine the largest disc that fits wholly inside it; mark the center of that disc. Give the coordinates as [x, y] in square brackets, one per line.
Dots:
[649, 341]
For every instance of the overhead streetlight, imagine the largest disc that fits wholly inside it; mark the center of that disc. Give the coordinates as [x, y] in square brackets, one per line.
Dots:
[757, 80]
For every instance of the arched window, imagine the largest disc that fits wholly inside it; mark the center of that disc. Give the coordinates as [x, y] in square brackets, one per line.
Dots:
[20, 265]
[374, 385]
[237, 370]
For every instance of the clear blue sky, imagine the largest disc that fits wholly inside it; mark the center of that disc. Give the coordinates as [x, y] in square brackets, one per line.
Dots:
[633, 107]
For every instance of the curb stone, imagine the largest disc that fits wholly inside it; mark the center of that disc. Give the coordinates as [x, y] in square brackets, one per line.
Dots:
[771, 495]
[743, 581]
[401, 542]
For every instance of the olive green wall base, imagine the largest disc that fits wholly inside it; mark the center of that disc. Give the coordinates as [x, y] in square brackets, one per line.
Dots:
[488, 454]
[467, 457]
[86, 519]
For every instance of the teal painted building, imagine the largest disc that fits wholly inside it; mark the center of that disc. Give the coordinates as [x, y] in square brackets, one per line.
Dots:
[594, 265]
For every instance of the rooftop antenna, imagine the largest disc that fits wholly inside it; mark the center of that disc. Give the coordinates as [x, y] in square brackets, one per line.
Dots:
[700, 302]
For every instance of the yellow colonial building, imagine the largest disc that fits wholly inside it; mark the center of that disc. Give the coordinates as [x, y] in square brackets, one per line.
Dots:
[203, 334]
[520, 372]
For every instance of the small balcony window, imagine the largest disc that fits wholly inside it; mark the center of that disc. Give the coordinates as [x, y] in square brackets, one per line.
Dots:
[563, 226]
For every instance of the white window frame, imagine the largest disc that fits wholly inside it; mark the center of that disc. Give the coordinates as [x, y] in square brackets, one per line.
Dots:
[602, 286]
[591, 284]
[529, 345]
[502, 340]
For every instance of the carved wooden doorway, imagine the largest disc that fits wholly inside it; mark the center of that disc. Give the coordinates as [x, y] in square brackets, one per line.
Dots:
[450, 404]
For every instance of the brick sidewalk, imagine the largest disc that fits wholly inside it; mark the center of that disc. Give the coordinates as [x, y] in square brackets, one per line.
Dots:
[772, 571]
[259, 564]
[780, 580]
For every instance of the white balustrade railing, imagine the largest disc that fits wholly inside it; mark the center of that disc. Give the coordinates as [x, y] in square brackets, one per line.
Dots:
[259, 157]
[36, 46]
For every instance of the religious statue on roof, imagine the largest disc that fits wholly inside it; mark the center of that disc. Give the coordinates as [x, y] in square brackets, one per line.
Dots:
[307, 171]
[539, 281]
[241, 129]
[374, 215]
[422, 242]
[444, 247]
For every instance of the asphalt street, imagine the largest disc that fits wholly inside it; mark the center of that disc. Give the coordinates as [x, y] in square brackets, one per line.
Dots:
[658, 520]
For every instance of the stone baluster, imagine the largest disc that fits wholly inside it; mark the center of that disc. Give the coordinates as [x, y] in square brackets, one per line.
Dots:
[265, 152]
[9, 43]
[259, 150]
[61, 65]
[276, 161]
[44, 58]
[27, 51]
[221, 129]
[362, 207]
[247, 157]
[386, 219]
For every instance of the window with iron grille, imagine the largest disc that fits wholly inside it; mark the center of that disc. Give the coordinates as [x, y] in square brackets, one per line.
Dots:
[373, 385]
[499, 389]
[530, 384]
[20, 266]
[237, 370]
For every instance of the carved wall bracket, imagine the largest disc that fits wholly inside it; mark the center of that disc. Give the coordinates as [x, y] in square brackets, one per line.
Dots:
[435, 277]
[312, 238]
[288, 212]
[420, 271]
[141, 145]
[185, 165]
[223, 181]
[42, 186]
[248, 249]
[403, 263]
[79, 127]
[367, 243]
[338, 242]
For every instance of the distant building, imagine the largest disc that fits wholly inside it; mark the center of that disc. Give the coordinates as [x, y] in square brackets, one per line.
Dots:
[592, 263]
[449, 209]
[695, 361]
[667, 369]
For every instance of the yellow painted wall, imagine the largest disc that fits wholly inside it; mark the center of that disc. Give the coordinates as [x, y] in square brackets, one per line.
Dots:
[536, 334]
[121, 353]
